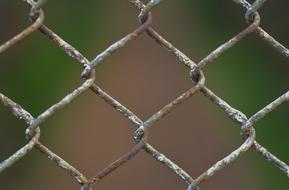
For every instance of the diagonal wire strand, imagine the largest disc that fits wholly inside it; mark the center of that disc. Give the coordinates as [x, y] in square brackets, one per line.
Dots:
[141, 136]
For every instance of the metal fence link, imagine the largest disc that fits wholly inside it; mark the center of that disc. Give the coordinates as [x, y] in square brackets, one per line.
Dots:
[141, 136]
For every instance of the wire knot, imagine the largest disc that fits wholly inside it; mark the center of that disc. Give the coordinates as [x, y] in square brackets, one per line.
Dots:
[87, 72]
[86, 187]
[197, 76]
[140, 134]
[193, 186]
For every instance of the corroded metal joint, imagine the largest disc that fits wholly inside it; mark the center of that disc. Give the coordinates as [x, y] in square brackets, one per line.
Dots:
[36, 14]
[252, 17]
[145, 11]
[86, 187]
[197, 76]
[140, 134]
[35, 6]
[252, 10]
[246, 128]
[193, 186]
[32, 130]
[87, 72]
[34, 134]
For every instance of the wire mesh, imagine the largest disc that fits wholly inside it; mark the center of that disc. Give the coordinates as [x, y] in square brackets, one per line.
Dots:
[142, 127]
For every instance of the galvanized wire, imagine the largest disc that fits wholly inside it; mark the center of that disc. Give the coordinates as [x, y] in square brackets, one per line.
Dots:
[142, 127]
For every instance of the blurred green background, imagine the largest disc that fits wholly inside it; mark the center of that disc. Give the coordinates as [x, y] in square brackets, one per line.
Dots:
[144, 77]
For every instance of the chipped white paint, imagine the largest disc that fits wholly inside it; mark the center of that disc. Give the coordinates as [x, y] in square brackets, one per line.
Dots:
[134, 119]
[155, 2]
[30, 2]
[161, 157]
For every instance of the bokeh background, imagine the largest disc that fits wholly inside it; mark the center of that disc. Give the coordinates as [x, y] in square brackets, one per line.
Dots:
[144, 77]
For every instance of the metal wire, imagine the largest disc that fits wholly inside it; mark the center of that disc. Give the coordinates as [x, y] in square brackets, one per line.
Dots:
[142, 127]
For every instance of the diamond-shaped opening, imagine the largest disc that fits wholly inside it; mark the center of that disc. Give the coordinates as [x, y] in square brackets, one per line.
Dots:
[257, 87]
[198, 27]
[83, 30]
[196, 135]
[47, 69]
[250, 75]
[95, 134]
[142, 172]
[251, 63]
[254, 88]
[43, 76]
[92, 129]
[143, 76]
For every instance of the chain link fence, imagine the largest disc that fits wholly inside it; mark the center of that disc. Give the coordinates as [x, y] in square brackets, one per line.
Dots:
[141, 136]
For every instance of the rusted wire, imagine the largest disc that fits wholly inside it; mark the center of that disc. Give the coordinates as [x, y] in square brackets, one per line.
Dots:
[145, 11]
[141, 135]
[253, 9]
[36, 5]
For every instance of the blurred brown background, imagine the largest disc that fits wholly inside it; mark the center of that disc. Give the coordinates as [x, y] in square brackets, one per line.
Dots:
[89, 134]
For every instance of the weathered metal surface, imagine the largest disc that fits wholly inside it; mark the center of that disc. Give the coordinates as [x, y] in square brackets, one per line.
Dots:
[141, 135]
